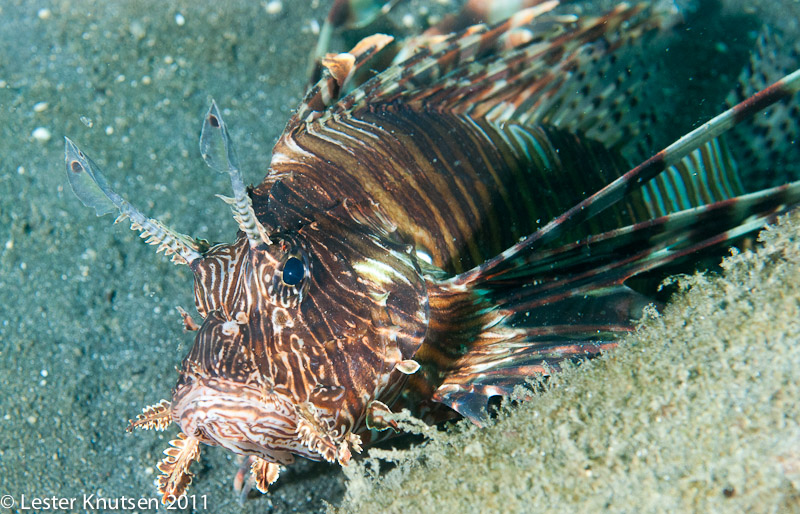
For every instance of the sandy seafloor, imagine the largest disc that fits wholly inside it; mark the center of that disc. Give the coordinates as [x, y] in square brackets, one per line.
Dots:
[89, 333]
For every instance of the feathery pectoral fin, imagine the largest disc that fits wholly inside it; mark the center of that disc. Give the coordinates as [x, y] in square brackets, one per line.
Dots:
[571, 302]
[525, 336]
[632, 181]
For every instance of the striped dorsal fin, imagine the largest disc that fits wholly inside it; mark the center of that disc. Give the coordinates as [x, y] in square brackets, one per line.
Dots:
[585, 75]
[476, 73]
[433, 57]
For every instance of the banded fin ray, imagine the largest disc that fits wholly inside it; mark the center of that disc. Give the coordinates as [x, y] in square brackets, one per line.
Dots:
[634, 179]
[706, 175]
[573, 302]
[471, 72]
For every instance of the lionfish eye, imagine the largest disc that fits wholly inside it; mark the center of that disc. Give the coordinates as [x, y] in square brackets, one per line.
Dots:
[290, 278]
[293, 271]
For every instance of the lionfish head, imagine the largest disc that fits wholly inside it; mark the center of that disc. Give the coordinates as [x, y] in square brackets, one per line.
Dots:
[306, 321]
[233, 385]
[301, 331]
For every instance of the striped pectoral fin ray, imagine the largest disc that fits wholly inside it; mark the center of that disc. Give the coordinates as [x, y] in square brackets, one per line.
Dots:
[561, 167]
[699, 196]
[599, 264]
[707, 175]
[468, 390]
[660, 240]
[633, 180]
[522, 341]
[92, 189]
[579, 304]
[671, 238]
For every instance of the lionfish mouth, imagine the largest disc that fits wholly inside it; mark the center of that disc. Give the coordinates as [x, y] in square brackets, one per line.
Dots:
[244, 419]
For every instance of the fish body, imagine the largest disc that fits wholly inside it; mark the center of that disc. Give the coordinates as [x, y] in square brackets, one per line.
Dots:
[434, 236]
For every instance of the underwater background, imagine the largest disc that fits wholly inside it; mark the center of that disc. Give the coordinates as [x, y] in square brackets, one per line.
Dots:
[89, 332]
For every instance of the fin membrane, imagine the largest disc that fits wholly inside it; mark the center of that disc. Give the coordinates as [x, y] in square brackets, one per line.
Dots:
[535, 305]
[571, 302]
[772, 136]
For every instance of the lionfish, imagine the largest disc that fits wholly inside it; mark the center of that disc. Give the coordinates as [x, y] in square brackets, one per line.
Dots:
[434, 231]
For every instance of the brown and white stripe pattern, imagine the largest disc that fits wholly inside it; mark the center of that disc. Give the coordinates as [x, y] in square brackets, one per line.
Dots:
[412, 163]
[639, 175]
[321, 358]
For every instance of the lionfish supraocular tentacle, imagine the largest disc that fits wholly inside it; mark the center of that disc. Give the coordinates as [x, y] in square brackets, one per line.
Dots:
[92, 188]
[217, 150]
